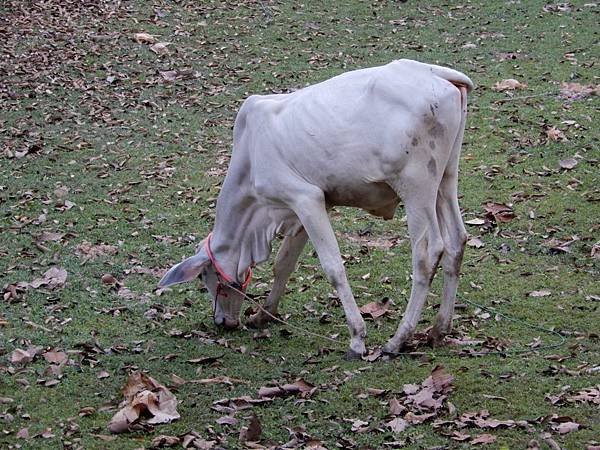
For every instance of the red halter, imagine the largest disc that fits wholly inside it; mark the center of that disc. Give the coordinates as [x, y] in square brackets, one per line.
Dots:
[221, 274]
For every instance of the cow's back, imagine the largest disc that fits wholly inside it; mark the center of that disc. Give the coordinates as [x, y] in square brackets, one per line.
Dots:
[356, 130]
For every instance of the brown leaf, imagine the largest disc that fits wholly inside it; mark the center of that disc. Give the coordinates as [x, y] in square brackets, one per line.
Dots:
[595, 253]
[589, 395]
[109, 280]
[144, 38]
[19, 356]
[475, 222]
[499, 212]
[508, 85]
[227, 420]
[566, 427]
[577, 91]
[52, 236]
[440, 380]
[374, 309]
[205, 359]
[460, 436]
[396, 408]
[568, 164]
[163, 441]
[415, 419]
[53, 278]
[252, 432]
[237, 403]
[169, 75]
[397, 425]
[541, 293]
[55, 357]
[160, 48]
[485, 438]
[475, 242]
[554, 134]
[298, 387]
[86, 411]
[144, 395]
[222, 379]
[92, 251]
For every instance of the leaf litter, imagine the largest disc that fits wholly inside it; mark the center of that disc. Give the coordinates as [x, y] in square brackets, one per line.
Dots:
[146, 402]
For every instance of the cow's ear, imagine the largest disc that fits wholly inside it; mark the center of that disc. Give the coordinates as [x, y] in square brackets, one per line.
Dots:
[187, 270]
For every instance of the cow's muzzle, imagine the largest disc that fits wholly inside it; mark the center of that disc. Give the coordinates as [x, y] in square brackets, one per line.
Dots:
[228, 324]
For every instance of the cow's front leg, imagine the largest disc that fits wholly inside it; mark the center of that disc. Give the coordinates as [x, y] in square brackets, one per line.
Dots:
[284, 265]
[311, 210]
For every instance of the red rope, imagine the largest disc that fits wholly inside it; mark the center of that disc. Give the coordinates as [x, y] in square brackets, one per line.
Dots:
[221, 273]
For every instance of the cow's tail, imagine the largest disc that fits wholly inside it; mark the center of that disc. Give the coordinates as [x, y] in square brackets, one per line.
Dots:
[455, 77]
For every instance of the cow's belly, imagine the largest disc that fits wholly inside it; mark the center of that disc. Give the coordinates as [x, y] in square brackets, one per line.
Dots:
[378, 199]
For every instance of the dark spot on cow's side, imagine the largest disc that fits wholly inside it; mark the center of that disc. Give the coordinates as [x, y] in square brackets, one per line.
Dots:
[432, 145]
[414, 142]
[407, 152]
[436, 130]
[432, 166]
[432, 110]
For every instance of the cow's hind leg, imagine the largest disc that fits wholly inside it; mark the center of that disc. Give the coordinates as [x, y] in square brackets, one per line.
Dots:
[453, 233]
[454, 236]
[310, 209]
[427, 247]
[285, 262]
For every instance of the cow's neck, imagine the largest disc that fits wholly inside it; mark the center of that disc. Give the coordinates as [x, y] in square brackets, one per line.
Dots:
[242, 233]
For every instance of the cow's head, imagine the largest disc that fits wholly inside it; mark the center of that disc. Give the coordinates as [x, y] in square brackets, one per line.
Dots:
[226, 297]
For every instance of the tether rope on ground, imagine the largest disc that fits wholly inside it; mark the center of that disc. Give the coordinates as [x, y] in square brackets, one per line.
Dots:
[562, 339]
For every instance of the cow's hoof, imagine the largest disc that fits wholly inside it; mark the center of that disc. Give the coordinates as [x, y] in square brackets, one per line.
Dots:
[436, 335]
[352, 355]
[392, 350]
[257, 321]
[435, 339]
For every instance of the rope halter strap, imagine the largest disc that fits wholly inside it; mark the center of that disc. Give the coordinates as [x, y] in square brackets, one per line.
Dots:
[223, 277]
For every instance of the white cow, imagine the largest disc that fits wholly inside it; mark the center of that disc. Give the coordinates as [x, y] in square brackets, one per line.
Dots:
[367, 138]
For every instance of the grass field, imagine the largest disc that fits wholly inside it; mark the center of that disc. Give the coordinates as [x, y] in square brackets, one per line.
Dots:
[112, 152]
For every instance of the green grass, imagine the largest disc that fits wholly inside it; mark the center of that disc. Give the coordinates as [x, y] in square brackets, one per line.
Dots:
[134, 154]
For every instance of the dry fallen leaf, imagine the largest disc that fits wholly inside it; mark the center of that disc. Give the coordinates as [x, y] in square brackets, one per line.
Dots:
[23, 433]
[374, 309]
[508, 85]
[589, 395]
[19, 356]
[144, 395]
[169, 75]
[144, 38]
[566, 427]
[577, 91]
[499, 212]
[92, 251]
[541, 293]
[50, 236]
[163, 441]
[297, 387]
[568, 164]
[53, 278]
[554, 134]
[252, 432]
[595, 253]
[160, 48]
[397, 425]
[485, 438]
[475, 242]
[55, 357]
[476, 222]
